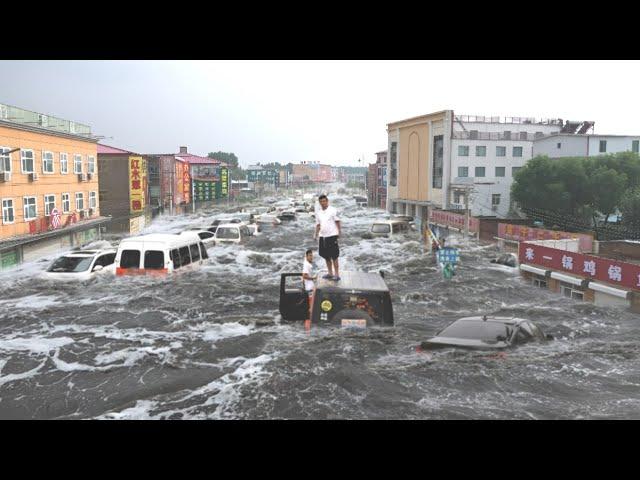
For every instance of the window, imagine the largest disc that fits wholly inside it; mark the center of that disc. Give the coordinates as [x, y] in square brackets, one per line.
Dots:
[30, 211]
[203, 251]
[92, 200]
[154, 259]
[603, 146]
[205, 235]
[7, 210]
[26, 157]
[463, 171]
[438, 161]
[43, 121]
[479, 172]
[458, 197]
[380, 228]
[515, 170]
[49, 204]
[105, 260]
[523, 135]
[174, 255]
[500, 171]
[185, 258]
[570, 291]
[195, 252]
[517, 151]
[47, 162]
[77, 164]
[66, 203]
[130, 259]
[495, 199]
[507, 135]
[559, 145]
[80, 201]
[539, 283]
[5, 159]
[481, 151]
[501, 151]
[64, 163]
[635, 146]
[91, 164]
[463, 150]
[393, 163]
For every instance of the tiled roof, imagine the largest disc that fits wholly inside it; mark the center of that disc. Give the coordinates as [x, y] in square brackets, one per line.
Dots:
[112, 150]
[195, 159]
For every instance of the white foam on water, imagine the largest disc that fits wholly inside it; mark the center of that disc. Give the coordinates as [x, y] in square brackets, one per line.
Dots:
[35, 345]
[138, 412]
[218, 332]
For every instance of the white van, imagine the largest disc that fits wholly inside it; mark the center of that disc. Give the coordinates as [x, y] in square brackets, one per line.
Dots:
[159, 254]
[386, 228]
[232, 233]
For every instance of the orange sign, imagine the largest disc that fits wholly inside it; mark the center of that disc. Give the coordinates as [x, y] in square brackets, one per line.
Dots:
[186, 183]
[137, 183]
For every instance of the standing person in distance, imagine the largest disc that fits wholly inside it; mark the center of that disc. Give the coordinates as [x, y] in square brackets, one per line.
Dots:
[328, 230]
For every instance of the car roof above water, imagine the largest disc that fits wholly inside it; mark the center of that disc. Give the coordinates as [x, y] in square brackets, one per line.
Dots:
[489, 318]
[361, 281]
[166, 238]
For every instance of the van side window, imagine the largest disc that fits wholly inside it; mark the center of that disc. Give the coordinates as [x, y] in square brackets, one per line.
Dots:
[396, 228]
[184, 256]
[175, 256]
[203, 251]
[154, 259]
[130, 259]
[195, 252]
[105, 260]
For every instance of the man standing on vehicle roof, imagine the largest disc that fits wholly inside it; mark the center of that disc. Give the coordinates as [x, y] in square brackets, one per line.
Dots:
[328, 229]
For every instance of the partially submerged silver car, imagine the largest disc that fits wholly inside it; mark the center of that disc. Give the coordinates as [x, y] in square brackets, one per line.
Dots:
[486, 332]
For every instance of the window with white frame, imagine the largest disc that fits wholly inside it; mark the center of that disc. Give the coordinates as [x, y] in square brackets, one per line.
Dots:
[500, 171]
[77, 164]
[91, 164]
[480, 172]
[66, 203]
[47, 162]
[64, 163]
[501, 151]
[5, 159]
[79, 201]
[26, 157]
[463, 171]
[495, 199]
[49, 204]
[93, 201]
[517, 151]
[515, 170]
[481, 151]
[30, 211]
[635, 146]
[463, 150]
[603, 146]
[7, 210]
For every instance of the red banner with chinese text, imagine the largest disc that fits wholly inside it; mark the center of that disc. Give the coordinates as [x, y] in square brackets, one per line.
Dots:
[522, 233]
[613, 272]
[455, 220]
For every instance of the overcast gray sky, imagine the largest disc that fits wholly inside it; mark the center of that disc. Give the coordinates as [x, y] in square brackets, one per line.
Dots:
[329, 111]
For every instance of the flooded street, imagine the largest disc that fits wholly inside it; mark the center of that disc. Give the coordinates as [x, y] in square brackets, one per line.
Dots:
[209, 344]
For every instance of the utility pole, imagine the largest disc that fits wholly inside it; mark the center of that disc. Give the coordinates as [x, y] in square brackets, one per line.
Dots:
[466, 220]
[193, 194]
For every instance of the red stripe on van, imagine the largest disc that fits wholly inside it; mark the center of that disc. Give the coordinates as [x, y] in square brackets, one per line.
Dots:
[141, 271]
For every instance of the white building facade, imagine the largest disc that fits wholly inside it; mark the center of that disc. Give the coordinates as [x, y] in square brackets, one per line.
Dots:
[561, 145]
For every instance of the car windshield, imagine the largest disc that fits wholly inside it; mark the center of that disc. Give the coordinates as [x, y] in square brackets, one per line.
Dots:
[476, 330]
[227, 233]
[380, 228]
[70, 264]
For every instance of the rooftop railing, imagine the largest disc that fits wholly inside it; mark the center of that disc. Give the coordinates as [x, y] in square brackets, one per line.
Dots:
[514, 136]
[518, 120]
[34, 119]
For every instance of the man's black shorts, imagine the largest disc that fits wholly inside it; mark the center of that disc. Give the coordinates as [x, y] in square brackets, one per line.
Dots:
[328, 247]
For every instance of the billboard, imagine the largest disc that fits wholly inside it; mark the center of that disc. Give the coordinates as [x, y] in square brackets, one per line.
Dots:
[224, 182]
[522, 233]
[614, 272]
[205, 190]
[454, 220]
[137, 184]
[186, 183]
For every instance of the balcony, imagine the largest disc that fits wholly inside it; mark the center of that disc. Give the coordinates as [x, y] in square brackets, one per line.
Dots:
[28, 118]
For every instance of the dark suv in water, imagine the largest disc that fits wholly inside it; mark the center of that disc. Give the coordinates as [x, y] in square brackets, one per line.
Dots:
[358, 299]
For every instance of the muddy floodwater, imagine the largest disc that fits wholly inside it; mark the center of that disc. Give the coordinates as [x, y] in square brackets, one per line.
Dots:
[209, 344]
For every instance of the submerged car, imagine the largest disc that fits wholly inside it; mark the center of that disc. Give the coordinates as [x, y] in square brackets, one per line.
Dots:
[486, 332]
[231, 233]
[358, 299]
[206, 236]
[388, 228]
[507, 259]
[82, 265]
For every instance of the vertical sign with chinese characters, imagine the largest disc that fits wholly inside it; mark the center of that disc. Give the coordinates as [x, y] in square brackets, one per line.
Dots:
[224, 182]
[137, 183]
[186, 183]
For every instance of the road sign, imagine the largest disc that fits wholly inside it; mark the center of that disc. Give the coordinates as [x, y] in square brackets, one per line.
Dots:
[448, 255]
[55, 218]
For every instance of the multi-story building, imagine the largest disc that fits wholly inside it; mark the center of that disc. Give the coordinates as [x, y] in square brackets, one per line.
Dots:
[48, 185]
[582, 145]
[312, 172]
[377, 181]
[437, 159]
[124, 189]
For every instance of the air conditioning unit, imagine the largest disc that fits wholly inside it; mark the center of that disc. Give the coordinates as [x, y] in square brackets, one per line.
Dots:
[89, 176]
[84, 177]
[91, 212]
[82, 213]
[33, 177]
[80, 176]
[5, 176]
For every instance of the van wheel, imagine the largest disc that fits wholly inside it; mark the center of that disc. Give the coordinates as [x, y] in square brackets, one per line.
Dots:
[354, 314]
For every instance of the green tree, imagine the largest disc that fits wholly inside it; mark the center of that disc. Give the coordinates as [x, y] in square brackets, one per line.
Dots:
[229, 158]
[630, 207]
[607, 187]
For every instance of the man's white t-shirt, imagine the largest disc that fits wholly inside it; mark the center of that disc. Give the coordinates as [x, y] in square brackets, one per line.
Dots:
[327, 221]
[308, 269]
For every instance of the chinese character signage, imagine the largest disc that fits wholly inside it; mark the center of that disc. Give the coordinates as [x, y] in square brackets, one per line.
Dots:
[205, 191]
[224, 182]
[448, 255]
[186, 183]
[137, 184]
[521, 233]
[625, 275]
[454, 220]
